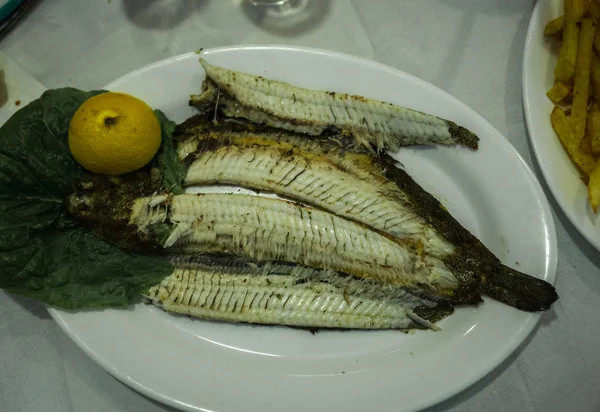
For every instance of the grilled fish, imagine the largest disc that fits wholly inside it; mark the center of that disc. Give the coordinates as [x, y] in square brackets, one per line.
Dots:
[289, 165]
[237, 290]
[402, 235]
[269, 229]
[304, 173]
[277, 230]
[281, 105]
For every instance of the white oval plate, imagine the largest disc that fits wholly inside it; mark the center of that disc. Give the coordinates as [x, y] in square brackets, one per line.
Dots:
[199, 365]
[559, 172]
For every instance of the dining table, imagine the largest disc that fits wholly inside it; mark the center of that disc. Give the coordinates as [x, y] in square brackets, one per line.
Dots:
[472, 50]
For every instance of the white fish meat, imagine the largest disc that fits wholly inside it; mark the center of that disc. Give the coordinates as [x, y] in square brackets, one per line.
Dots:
[268, 229]
[225, 289]
[373, 123]
[263, 164]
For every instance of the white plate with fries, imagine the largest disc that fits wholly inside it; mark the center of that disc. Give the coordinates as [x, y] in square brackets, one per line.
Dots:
[560, 97]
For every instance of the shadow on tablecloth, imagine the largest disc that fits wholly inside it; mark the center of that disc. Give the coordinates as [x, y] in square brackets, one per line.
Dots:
[160, 15]
[471, 11]
[32, 306]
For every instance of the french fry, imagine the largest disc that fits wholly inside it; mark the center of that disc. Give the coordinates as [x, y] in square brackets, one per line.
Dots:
[567, 57]
[559, 92]
[593, 130]
[595, 75]
[586, 8]
[597, 41]
[582, 78]
[594, 187]
[577, 81]
[560, 123]
[586, 144]
[554, 27]
[595, 10]
[580, 8]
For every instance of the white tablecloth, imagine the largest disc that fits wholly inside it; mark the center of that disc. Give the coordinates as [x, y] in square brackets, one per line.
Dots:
[470, 48]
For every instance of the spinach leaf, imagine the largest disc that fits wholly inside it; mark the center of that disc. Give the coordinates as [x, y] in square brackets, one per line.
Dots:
[44, 253]
[172, 169]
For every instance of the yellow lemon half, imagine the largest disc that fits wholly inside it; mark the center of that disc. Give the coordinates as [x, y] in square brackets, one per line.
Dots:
[114, 133]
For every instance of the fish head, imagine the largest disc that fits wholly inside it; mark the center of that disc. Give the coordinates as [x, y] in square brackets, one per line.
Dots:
[104, 205]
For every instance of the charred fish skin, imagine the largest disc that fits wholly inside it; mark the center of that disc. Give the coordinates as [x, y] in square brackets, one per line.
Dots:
[373, 123]
[471, 257]
[269, 229]
[234, 290]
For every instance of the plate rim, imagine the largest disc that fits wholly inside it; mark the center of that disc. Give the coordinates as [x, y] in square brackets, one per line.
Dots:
[528, 324]
[569, 212]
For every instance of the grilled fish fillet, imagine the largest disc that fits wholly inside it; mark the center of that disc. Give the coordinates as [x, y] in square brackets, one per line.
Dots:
[289, 165]
[260, 163]
[281, 105]
[269, 229]
[236, 290]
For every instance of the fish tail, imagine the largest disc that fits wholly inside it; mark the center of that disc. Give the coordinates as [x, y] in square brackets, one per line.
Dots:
[517, 289]
[463, 135]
